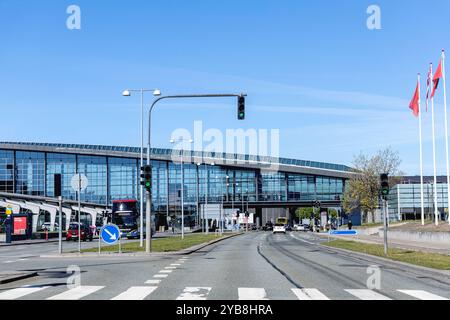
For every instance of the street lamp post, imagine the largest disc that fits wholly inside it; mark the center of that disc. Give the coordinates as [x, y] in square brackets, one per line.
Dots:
[127, 93]
[148, 195]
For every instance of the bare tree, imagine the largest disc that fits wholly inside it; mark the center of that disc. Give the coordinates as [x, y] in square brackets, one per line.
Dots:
[362, 190]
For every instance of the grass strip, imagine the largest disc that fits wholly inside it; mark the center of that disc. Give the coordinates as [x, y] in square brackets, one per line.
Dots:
[425, 259]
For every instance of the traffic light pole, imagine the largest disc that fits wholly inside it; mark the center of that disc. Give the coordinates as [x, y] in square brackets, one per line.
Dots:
[385, 226]
[149, 198]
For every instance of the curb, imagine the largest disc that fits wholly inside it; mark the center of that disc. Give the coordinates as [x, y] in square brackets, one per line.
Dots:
[390, 262]
[17, 277]
[142, 254]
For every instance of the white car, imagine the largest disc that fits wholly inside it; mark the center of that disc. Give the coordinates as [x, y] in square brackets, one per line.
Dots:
[279, 228]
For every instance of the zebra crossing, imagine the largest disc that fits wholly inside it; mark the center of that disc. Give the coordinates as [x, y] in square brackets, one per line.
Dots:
[202, 293]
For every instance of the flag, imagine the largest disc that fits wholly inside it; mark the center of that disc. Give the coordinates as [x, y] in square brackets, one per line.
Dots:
[436, 78]
[430, 75]
[414, 104]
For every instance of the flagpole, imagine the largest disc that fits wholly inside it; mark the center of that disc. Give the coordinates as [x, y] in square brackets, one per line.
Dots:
[434, 156]
[446, 135]
[421, 157]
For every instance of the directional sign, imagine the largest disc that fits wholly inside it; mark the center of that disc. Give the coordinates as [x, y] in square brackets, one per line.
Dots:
[79, 181]
[344, 232]
[110, 234]
[9, 210]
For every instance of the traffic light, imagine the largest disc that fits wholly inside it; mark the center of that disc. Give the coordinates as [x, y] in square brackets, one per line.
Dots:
[241, 108]
[247, 214]
[384, 179]
[237, 213]
[146, 175]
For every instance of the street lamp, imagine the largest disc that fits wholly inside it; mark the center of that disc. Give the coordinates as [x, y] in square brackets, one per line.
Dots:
[182, 182]
[127, 93]
[148, 195]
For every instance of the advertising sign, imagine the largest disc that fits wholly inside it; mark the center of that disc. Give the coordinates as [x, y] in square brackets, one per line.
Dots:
[20, 226]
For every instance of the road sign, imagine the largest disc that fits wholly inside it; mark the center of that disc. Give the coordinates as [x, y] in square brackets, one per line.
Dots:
[110, 234]
[344, 232]
[79, 181]
[9, 211]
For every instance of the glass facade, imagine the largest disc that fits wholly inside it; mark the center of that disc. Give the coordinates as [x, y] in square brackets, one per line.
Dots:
[113, 177]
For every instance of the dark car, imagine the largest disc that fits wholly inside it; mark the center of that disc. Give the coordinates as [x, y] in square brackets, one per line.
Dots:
[136, 234]
[268, 226]
[86, 232]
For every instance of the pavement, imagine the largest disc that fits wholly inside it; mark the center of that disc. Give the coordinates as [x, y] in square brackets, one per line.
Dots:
[441, 248]
[253, 266]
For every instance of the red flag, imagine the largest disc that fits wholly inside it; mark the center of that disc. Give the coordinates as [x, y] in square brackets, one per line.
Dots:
[414, 105]
[436, 78]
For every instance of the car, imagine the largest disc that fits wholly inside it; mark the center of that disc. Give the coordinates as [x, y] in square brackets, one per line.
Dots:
[268, 227]
[299, 227]
[86, 232]
[47, 226]
[279, 228]
[136, 234]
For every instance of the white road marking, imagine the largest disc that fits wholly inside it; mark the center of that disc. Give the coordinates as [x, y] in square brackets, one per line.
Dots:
[303, 240]
[175, 264]
[165, 271]
[252, 294]
[170, 268]
[76, 293]
[194, 293]
[135, 293]
[309, 294]
[19, 292]
[422, 295]
[366, 294]
[9, 261]
[160, 276]
[152, 281]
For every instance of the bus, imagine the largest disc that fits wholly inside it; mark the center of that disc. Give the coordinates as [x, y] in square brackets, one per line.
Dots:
[125, 215]
[282, 220]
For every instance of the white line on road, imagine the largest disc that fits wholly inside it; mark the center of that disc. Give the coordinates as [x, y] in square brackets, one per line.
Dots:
[76, 293]
[165, 271]
[170, 268]
[252, 294]
[303, 240]
[19, 292]
[175, 264]
[194, 293]
[160, 276]
[366, 294]
[153, 281]
[422, 295]
[135, 293]
[9, 261]
[309, 294]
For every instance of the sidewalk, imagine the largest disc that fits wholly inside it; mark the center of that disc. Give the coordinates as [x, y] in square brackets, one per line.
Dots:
[441, 248]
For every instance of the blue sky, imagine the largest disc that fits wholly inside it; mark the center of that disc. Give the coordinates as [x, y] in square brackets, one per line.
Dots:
[310, 68]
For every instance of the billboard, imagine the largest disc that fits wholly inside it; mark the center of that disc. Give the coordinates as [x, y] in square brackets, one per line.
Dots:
[19, 226]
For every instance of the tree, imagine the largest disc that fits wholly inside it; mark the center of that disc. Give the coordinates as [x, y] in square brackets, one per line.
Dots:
[332, 213]
[303, 213]
[362, 190]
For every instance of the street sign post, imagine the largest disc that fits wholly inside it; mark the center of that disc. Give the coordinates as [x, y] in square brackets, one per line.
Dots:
[79, 182]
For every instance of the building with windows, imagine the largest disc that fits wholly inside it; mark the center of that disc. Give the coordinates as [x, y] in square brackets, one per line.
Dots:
[230, 180]
[405, 198]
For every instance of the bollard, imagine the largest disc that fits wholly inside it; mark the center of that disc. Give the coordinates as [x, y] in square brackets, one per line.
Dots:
[46, 234]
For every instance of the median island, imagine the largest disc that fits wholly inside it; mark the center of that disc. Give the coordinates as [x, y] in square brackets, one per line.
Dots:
[425, 259]
[167, 244]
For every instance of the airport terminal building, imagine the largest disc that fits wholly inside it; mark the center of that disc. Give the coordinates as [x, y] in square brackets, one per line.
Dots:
[227, 180]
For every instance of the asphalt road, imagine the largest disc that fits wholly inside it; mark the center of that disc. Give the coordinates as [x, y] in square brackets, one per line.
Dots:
[253, 266]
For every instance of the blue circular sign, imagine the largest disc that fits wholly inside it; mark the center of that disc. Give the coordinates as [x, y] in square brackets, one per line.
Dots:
[110, 234]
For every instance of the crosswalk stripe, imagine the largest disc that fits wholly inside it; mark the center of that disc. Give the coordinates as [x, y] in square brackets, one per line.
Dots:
[194, 293]
[252, 294]
[170, 268]
[152, 281]
[19, 292]
[165, 271]
[175, 264]
[366, 294]
[309, 294]
[135, 293]
[422, 295]
[76, 293]
[160, 276]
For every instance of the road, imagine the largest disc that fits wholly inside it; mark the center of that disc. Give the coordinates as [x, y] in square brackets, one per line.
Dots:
[253, 266]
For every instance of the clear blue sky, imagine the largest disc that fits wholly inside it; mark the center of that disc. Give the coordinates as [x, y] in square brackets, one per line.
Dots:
[310, 68]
